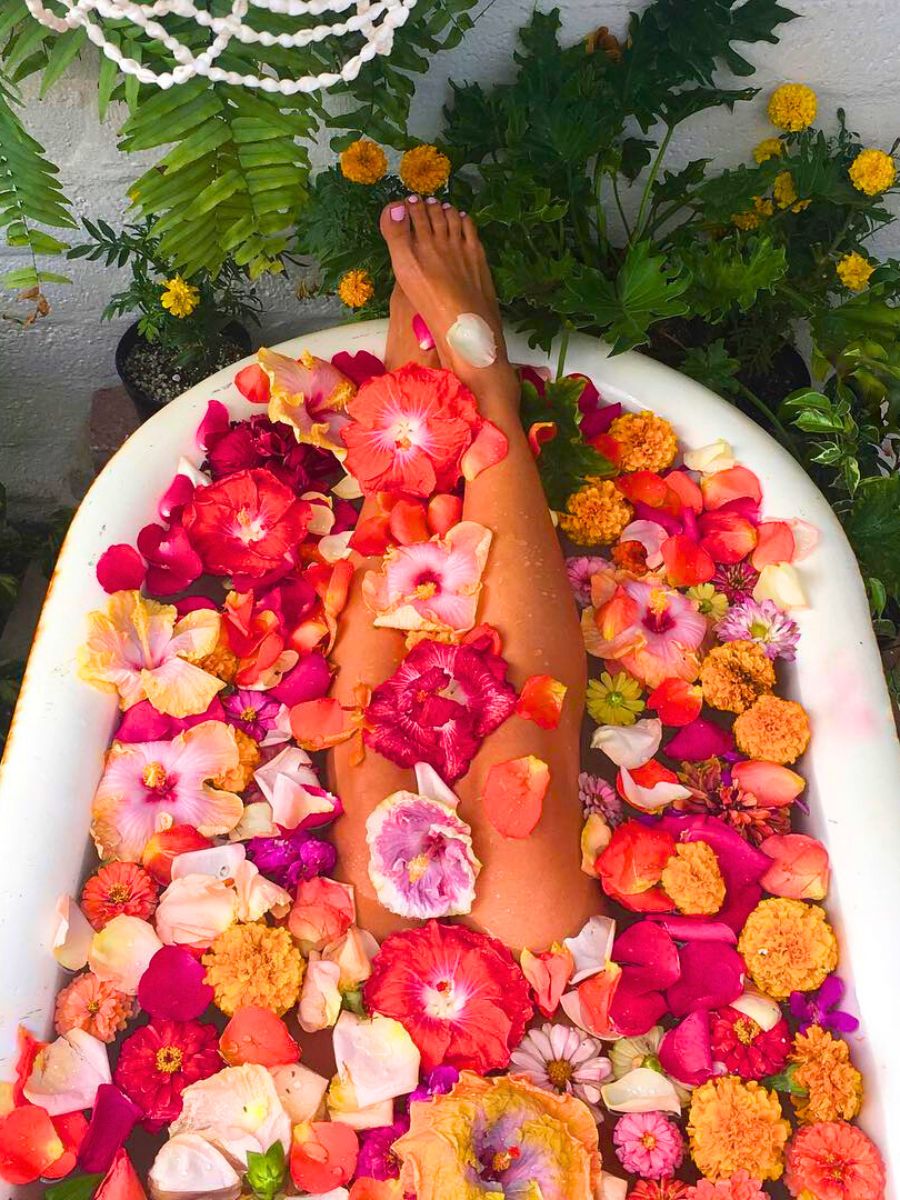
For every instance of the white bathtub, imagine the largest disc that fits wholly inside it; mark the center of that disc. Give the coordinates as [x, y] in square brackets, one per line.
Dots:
[62, 727]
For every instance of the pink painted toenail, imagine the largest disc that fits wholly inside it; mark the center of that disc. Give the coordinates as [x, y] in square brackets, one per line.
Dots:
[398, 212]
[413, 200]
[462, 214]
[446, 204]
[431, 200]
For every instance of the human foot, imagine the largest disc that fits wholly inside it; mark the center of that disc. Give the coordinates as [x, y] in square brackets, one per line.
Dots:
[402, 344]
[440, 265]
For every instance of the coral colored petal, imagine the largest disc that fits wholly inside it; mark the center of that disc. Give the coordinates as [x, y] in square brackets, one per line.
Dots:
[676, 701]
[29, 1144]
[699, 740]
[800, 868]
[727, 537]
[253, 384]
[773, 785]
[687, 563]
[121, 1182]
[165, 846]
[443, 512]
[317, 724]
[372, 536]
[595, 999]
[513, 796]
[541, 700]
[548, 974]
[120, 568]
[407, 522]
[736, 483]
[72, 1129]
[257, 1035]
[686, 490]
[323, 1155]
[775, 544]
[489, 447]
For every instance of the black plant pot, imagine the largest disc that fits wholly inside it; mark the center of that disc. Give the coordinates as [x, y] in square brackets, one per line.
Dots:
[234, 334]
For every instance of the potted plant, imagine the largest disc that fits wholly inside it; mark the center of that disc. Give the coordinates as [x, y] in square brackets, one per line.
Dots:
[186, 328]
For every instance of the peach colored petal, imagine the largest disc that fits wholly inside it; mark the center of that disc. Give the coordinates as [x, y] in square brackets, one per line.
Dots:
[194, 910]
[300, 1090]
[513, 795]
[120, 952]
[74, 933]
[775, 544]
[353, 954]
[320, 996]
[773, 785]
[595, 837]
[800, 868]
[66, 1073]
[780, 583]
[548, 973]
[541, 700]
[489, 447]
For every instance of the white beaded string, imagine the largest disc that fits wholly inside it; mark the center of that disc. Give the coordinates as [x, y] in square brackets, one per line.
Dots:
[375, 20]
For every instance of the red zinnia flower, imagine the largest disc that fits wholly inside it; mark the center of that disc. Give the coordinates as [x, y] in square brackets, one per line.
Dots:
[832, 1160]
[745, 1048]
[408, 431]
[459, 994]
[439, 705]
[119, 887]
[158, 1062]
[247, 524]
[658, 1189]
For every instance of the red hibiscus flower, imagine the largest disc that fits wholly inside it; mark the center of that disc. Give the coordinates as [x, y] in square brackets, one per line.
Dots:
[248, 524]
[459, 994]
[158, 1062]
[745, 1048]
[409, 430]
[439, 705]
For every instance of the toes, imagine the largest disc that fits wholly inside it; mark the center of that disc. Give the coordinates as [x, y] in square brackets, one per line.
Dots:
[418, 216]
[453, 220]
[394, 223]
[436, 216]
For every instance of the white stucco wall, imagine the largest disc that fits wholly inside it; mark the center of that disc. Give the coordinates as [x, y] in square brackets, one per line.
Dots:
[848, 50]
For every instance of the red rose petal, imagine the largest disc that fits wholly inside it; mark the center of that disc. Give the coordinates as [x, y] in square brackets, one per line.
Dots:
[712, 976]
[257, 1035]
[728, 537]
[120, 568]
[687, 563]
[29, 1144]
[323, 1155]
[167, 844]
[513, 796]
[173, 985]
[358, 367]
[676, 701]
[372, 535]
[541, 700]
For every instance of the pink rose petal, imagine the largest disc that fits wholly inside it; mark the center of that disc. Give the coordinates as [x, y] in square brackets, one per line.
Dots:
[173, 563]
[712, 976]
[310, 679]
[215, 420]
[120, 568]
[699, 740]
[179, 493]
[685, 1052]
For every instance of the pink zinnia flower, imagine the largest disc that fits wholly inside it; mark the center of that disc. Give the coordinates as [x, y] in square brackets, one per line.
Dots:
[160, 1060]
[735, 580]
[763, 622]
[431, 585]
[439, 705]
[580, 569]
[648, 1144]
[149, 786]
[253, 712]
[562, 1059]
[96, 1007]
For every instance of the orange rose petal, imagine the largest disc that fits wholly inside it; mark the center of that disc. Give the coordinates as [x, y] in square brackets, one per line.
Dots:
[541, 700]
[71, 1129]
[727, 536]
[257, 1035]
[444, 511]
[548, 973]
[318, 724]
[513, 796]
[323, 1155]
[736, 483]
[489, 447]
[495, 644]
[773, 786]
[367, 1188]
[646, 487]
[539, 433]
[800, 868]
[676, 701]
[121, 1181]
[372, 535]
[687, 491]
[596, 997]
[775, 544]
[253, 384]
[29, 1144]
[408, 523]
[686, 562]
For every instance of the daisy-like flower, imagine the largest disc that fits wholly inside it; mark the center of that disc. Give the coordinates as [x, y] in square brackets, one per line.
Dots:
[745, 1048]
[560, 1058]
[96, 1007]
[715, 792]
[597, 796]
[252, 712]
[121, 887]
[421, 861]
[459, 994]
[614, 699]
[648, 1144]
[143, 651]
[439, 705]
[148, 786]
[735, 581]
[580, 569]
[762, 622]
[160, 1060]
[832, 1160]
[710, 603]
[821, 1008]
[431, 585]
[408, 431]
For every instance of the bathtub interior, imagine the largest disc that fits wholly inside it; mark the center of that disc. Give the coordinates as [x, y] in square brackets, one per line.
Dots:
[62, 728]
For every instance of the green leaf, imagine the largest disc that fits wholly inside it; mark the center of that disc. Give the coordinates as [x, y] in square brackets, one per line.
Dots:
[77, 1187]
[66, 48]
[265, 1172]
[730, 273]
[713, 366]
[566, 461]
[873, 527]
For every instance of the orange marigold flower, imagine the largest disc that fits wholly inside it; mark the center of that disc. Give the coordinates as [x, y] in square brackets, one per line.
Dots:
[116, 888]
[772, 729]
[249, 756]
[355, 288]
[254, 964]
[364, 161]
[788, 946]
[221, 661]
[822, 1067]
[648, 442]
[735, 1126]
[736, 674]
[598, 512]
[834, 1161]
[94, 1006]
[692, 879]
[424, 169]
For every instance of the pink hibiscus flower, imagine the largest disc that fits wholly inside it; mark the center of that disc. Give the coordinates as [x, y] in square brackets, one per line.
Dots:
[431, 585]
[148, 786]
[439, 705]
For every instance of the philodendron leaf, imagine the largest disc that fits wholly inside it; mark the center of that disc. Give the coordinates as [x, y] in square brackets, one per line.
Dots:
[873, 527]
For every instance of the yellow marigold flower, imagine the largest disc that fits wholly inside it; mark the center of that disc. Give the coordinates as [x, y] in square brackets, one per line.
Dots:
[221, 661]
[180, 297]
[788, 946]
[711, 603]
[774, 729]
[254, 964]
[783, 189]
[356, 288]
[822, 1067]
[647, 442]
[746, 220]
[249, 756]
[854, 271]
[736, 674]
[764, 206]
[792, 107]
[424, 169]
[872, 171]
[771, 147]
[364, 161]
[735, 1126]
[597, 514]
[692, 879]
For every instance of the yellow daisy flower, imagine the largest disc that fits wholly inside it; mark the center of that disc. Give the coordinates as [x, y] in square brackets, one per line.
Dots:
[180, 297]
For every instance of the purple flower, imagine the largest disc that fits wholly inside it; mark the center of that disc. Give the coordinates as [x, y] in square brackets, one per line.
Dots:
[821, 1008]
[437, 1083]
[579, 570]
[763, 622]
[597, 796]
[253, 712]
[377, 1159]
[294, 857]
[735, 580]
